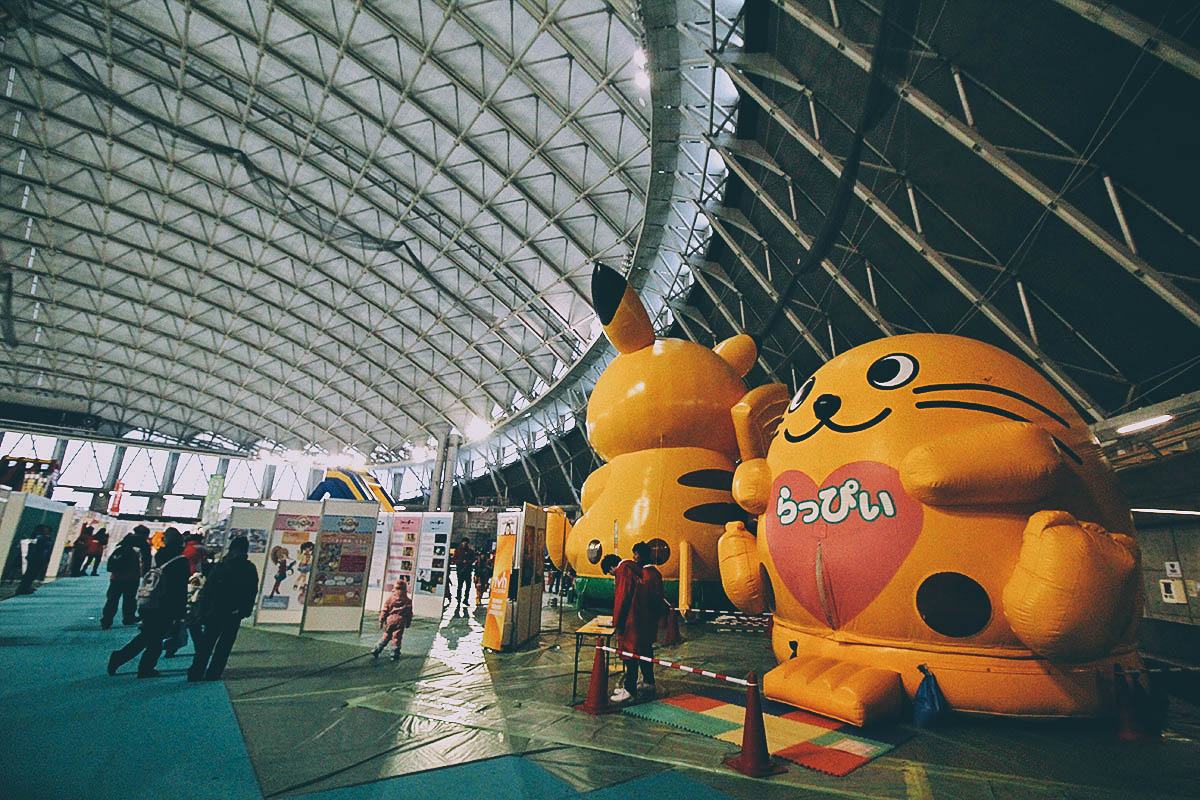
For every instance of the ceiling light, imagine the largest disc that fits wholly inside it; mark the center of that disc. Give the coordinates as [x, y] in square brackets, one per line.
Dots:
[513, 508]
[475, 508]
[400, 508]
[1146, 423]
[1180, 511]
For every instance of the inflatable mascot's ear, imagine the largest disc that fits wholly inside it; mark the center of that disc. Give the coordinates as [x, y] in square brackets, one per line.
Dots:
[659, 415]
[931, 499]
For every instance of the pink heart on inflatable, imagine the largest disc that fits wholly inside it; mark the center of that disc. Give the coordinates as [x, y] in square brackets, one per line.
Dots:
[838, 545]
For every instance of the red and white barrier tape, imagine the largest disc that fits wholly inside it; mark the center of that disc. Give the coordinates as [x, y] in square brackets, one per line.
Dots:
[706, 673]
[764, 616]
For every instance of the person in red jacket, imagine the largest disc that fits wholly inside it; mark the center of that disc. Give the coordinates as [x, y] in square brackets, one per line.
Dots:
[395, 616]
[635, 633]
[79, 550]
[95, 551]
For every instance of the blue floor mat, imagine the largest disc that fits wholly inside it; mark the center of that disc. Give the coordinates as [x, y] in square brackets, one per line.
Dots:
[503, 778]
[663, 784]
[71, 731]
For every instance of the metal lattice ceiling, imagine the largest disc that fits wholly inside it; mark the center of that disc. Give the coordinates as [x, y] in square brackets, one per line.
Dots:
[342, 224]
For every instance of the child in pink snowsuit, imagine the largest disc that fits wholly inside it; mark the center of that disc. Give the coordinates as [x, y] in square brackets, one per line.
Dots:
[393, 619]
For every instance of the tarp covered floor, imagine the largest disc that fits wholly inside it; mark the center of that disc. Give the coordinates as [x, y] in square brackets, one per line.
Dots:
[320, 717]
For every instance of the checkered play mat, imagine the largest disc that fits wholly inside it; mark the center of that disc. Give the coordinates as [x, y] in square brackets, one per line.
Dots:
[826, 745]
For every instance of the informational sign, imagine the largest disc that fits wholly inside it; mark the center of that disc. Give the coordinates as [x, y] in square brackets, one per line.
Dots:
[433, 563]
[404, 539]
[1173, 569]
[342, 563]
[289, 566]
[256, 537]
[255, 524]
[343, 555]
[498, 625]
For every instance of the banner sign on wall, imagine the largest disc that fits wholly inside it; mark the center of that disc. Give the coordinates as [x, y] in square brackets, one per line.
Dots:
[289, 564]
[212, 499]
[343, 553]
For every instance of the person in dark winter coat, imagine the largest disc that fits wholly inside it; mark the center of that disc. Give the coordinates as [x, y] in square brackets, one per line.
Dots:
[142, 543]
[172, 600]
[36, 558]
[124, 573]
[464, 563]
[395, 616]
[226, 599]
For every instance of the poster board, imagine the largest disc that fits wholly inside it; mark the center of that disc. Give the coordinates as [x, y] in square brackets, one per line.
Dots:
[255, 524]
[341, 566]
[376, 589]
[500, 622]
[290, 552]
[403, 544]
[531, 543]
[433, 563]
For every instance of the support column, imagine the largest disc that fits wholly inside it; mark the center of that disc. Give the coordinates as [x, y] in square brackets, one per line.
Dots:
[59, 454]
[435, 477]
[448, 472]
[397, 482]
[154, 507]
[315, 476]
[100, 499]
[268, 484]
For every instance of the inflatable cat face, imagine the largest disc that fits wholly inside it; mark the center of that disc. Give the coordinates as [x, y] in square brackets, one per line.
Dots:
[902, 475]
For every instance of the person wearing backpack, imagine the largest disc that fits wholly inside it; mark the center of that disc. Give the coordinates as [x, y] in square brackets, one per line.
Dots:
[226, 599]
[124, 572]
[162, 599]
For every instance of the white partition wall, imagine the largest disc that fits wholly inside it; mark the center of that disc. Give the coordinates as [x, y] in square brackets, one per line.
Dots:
[10, 519]
[337, 589]
[376, 589]
[531, 548]
[290, 555]
[255, 525]
[433, 563]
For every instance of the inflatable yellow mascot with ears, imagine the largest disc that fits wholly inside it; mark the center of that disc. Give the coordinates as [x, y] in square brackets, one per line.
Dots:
[660, 416]
[930, 499]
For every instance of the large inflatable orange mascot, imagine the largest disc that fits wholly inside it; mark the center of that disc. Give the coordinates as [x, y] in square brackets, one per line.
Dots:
[930, 499]
[660, 415]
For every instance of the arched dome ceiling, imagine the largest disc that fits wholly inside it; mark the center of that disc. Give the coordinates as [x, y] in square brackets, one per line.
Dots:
[346, 224]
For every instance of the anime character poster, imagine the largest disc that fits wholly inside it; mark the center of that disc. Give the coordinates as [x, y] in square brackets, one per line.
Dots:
[342, 557]
[289, 566]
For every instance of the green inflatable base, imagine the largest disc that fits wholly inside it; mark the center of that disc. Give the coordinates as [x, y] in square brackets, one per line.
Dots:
[597, 593]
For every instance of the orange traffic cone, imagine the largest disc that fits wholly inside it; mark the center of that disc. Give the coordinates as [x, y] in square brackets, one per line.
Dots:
[597, 697]
[754, 760]
[671, 629]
